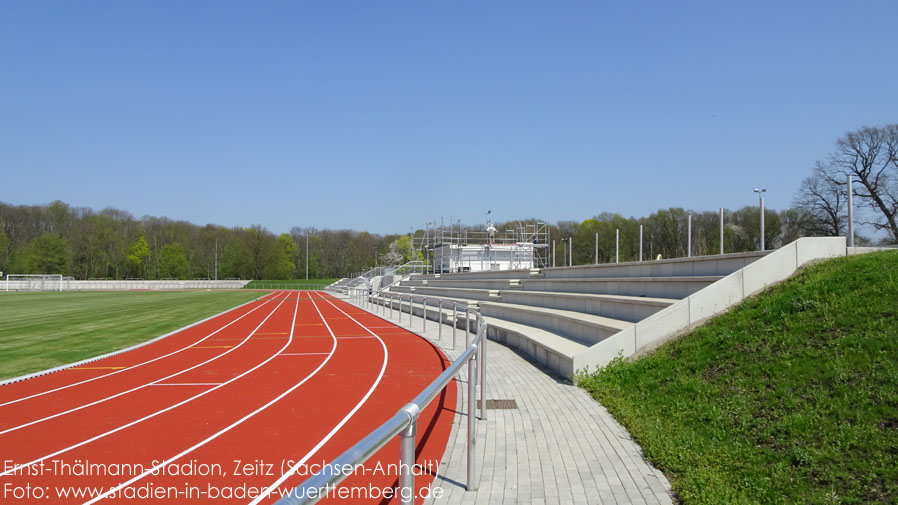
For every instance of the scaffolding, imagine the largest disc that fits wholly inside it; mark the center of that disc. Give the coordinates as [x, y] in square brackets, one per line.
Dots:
[459, 248]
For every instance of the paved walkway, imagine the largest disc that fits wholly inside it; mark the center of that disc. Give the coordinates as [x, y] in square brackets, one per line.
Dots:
[558, 447]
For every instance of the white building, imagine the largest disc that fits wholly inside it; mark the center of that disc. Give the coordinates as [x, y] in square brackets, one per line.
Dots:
[482, 257]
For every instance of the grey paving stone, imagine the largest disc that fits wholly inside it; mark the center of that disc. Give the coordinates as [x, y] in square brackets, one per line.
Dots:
[559, 447]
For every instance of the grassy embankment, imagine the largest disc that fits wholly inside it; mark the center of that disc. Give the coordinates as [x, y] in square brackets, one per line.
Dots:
[44, 330]
[792, 397]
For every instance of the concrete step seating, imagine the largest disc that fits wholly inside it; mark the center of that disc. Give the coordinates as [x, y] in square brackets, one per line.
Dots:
[555, 351]
[655, 287]
[624, 308]
[586, 329]
[677, 267]
[554, 314]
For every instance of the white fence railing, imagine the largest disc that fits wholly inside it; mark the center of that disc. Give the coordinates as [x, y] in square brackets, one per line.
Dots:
[107, 285]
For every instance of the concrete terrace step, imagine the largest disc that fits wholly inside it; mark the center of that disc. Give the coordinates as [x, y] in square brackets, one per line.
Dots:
[676, 287]
[587, 329]
[551, 350]
[460, 293]
[622, 307]
[721, 265]
[625, 308]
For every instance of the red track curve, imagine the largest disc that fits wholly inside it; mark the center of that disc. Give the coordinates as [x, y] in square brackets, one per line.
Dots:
[287, 377]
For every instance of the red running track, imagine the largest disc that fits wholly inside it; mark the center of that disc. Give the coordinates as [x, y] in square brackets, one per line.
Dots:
[218, 412]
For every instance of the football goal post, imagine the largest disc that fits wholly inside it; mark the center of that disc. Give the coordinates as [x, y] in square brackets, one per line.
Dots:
[34, 282]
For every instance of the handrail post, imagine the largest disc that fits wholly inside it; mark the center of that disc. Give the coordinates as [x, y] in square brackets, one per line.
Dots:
[472, 412]
[454, 322]
[410, 320]
[424, 315]
[400, 309]
[391, 306]
[407, 456]
[481, 365]
[440, 315]
[467, 327]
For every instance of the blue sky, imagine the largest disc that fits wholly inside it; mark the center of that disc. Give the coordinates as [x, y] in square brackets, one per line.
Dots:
[383, 115]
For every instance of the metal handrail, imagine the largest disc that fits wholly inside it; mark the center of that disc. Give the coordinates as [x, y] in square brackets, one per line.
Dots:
[404, 423]
[364, 277]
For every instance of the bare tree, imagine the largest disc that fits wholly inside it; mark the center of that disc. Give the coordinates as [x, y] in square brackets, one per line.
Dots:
[871, 156]
[824, 203]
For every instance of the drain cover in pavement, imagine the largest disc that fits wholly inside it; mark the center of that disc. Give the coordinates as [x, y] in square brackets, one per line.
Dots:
[501, 404]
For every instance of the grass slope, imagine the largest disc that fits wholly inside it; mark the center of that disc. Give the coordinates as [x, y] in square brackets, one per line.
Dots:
[792, 397]
[44, 330]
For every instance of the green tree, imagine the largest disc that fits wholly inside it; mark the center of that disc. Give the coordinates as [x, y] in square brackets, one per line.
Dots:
[137, 255]
[404, 246]
[4, 252]
[173, 262]
[48, 254]
[259, 243]
[235, 260]
[282, 264]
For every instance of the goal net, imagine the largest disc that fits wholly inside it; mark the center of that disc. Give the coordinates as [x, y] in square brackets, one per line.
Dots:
[34, 282]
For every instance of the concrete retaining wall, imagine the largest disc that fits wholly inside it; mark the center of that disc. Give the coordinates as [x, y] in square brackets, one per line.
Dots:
[685, 314]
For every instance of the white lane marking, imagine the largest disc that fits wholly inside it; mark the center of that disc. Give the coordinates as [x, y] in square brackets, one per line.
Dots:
[96, 402]
[189, 384]
[225, 430]
[293, 470]
[137, 365]
[350, 338]
[304, 353]
[17, 468]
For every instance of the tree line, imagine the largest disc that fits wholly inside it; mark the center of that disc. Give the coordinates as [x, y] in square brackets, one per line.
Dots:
[112, 243]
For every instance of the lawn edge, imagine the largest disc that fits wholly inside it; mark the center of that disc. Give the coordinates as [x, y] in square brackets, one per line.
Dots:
[48, 371]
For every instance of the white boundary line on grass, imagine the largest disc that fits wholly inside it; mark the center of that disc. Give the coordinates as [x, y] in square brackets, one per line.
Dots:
[114, 353]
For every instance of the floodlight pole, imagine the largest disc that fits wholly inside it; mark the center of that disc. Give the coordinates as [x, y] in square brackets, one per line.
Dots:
[760, 193]
[689, 236]
[850, 211]
[721, 230]
[570, 252]
[640, 242]
[489, 240]
[617, 245]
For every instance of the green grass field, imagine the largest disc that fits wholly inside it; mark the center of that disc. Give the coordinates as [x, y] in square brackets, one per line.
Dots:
[790, 398]
[44, 330]
[290, 284]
